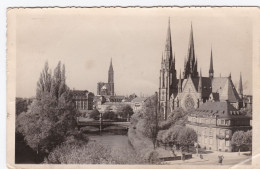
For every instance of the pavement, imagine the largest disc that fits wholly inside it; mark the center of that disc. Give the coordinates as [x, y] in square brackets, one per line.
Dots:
[211, 158]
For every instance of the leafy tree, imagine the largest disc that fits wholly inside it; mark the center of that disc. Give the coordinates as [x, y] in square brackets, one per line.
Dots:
[52, 115]
[109, 115]
[21, 105]
[239, 139]
[178, 116]
[94, 114]
[187, 137]
[248, 139]
[80, 153]
[145, 121]
[126, 111]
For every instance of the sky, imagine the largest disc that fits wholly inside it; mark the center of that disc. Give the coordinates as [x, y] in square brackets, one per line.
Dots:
[85, 39]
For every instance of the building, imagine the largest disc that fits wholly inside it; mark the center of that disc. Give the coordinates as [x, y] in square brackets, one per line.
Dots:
[107, 88]
[83, 100]
[192, 89]
[215, 123]
[138, 103]
[112, 106]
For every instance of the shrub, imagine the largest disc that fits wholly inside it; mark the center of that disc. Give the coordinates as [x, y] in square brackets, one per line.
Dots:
[109, 115]
[77, 153]
[94, 114]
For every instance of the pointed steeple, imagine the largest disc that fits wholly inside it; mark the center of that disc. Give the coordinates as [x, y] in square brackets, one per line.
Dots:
[111, 65]
[162, 59]
[191, 53]
[168, 44]
[195, 73]
[211, 71]
[111, 73]
[240, 87]
[179, 84]
[200, 83]
[173, 62]
[190, 68]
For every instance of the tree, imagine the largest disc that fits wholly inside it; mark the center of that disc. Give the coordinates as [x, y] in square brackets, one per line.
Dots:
[187, 137]
[146, 120]
[239, 139]
[21, 105]
[248, 139]
[51, 117]
[126, 111]
[109, 115]
[178, 116]
[94, 114]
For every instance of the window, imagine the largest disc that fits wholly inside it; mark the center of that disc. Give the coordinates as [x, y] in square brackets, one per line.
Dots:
[227, 134]
[227, 143]
[222, 122]
[210, 141]
[227, 122]
[210, 132]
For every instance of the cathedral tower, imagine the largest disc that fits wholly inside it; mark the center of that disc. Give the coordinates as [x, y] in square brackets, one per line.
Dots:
[167, 80]
[190, 64]
[111, 78]
[240, 87]
[211, 71]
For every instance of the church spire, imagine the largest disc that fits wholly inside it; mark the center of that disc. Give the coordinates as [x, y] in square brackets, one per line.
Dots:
[190, 68]
[111, 73]
[191, 53]
[168, 44]
[162, 59]
[179, 84]
[200, 83]
[211, 71]
[240, 87]
[111, 65]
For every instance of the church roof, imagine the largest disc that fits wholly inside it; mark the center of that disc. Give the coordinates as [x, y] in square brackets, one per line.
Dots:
[221, 109]
[206, 85]
[139, 99]
[222, 88]
[81, 93]
[226, 89]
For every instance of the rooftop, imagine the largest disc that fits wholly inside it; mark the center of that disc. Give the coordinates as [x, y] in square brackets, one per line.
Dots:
[220, 109]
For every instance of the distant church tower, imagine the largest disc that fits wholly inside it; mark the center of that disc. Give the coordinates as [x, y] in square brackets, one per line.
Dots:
[111, 78]
[167, 80]
[240, 87]
[190, 64]
[211, 71]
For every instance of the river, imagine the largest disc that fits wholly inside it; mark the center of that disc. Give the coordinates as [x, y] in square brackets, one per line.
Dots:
[115, 138]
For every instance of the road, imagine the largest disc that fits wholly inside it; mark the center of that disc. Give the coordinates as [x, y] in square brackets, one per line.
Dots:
[230, 159]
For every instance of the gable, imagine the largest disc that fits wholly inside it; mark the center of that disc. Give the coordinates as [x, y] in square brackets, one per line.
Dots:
[229, 92]
[189, 87]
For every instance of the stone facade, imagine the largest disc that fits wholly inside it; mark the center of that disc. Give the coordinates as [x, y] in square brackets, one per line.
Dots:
[83, 99]
[192, 89]
[107, 88]
[215, 123]
[138, 103]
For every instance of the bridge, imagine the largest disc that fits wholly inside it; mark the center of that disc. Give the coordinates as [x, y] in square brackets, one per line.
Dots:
[81, 122]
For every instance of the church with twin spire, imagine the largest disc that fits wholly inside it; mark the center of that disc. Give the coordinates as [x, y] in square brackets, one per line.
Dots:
[191, 89]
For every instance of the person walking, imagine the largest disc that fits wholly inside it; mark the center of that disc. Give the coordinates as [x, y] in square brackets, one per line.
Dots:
[220, 159]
